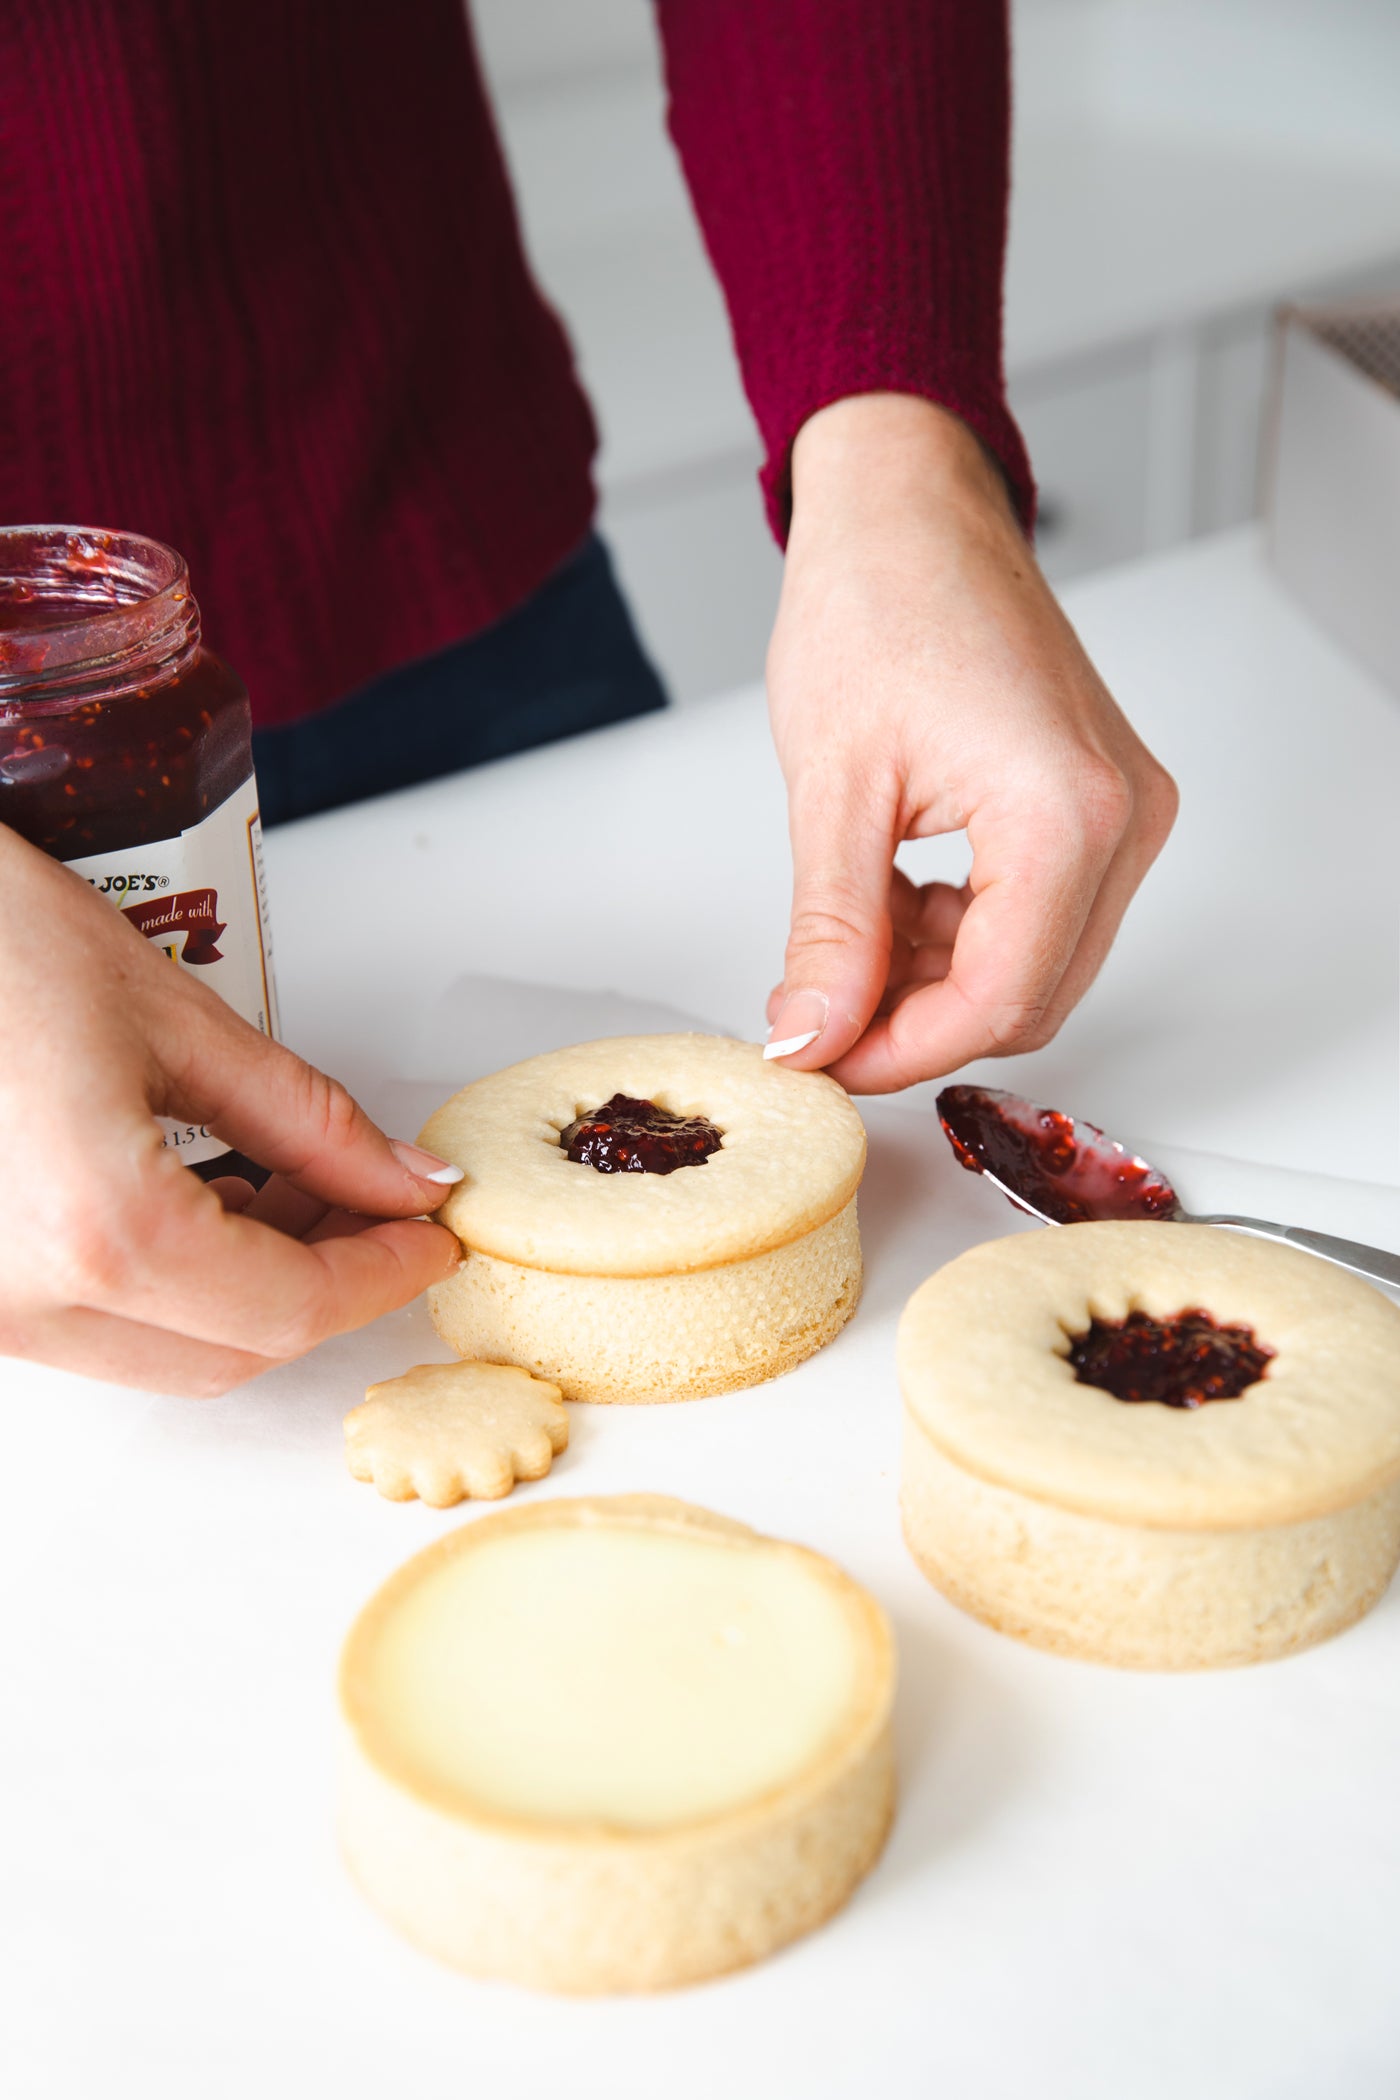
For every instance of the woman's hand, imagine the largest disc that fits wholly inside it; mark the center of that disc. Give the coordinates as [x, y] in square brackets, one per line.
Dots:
[115, 1259]
[922, 679]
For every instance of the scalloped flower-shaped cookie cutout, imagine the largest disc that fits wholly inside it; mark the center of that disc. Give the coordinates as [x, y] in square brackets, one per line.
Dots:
[444, 1432]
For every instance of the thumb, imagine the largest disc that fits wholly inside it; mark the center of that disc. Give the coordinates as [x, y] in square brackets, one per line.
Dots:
[838, 951]
[214, 1068]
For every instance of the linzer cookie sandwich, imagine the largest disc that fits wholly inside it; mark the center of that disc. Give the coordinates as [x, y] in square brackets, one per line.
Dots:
[1158, 1445]
[650, 1217]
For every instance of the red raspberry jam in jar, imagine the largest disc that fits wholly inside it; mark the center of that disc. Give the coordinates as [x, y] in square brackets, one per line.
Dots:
[126, 752]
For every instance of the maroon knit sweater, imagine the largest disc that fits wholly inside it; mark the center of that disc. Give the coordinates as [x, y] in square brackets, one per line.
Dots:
[265, 295]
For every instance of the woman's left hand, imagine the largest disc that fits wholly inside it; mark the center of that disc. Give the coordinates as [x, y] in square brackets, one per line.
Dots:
[923, 679]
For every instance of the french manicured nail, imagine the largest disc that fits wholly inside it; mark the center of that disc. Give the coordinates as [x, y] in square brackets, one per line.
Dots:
[426, 1165]
[800, 1021]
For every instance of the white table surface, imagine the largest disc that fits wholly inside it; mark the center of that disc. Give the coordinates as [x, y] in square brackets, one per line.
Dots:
[1098, 1884]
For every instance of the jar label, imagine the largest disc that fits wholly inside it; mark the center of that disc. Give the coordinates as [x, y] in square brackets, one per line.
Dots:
[202, 897]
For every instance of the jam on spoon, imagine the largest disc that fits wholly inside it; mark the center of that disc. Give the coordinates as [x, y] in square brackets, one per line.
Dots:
[1057, 1167]
[628, 1136]
[1182, 1361]
[1064, 1172]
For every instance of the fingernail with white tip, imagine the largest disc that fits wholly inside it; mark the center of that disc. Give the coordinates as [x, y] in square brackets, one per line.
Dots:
[789, 1043]
[424, 1166]
[800, 1021]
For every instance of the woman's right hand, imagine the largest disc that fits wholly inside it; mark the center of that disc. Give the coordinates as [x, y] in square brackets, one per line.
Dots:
[115, 1260]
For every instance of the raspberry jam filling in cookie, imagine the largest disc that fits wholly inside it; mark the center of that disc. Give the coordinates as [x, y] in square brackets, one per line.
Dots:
[1181, 1362]
[627, 1136]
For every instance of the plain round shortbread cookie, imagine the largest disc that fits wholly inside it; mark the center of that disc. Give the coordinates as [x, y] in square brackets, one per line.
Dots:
[643, 1287]
[1134, 1533]
[614, 1744]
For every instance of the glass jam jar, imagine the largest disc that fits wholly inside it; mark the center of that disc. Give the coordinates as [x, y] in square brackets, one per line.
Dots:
[126, 752]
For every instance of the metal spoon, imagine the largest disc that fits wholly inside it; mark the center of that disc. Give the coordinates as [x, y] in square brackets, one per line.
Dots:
[1063, 1171]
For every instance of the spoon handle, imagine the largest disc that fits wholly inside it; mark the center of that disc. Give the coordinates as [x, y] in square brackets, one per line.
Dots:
[1373, 1262]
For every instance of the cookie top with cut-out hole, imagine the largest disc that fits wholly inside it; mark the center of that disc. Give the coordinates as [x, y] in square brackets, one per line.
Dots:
[985, 1366]
[791, 1154]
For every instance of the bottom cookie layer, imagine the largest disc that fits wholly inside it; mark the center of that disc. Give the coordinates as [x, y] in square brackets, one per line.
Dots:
[1136, 1597]
[639, 1339]
[614, 1744]
[583, 1918]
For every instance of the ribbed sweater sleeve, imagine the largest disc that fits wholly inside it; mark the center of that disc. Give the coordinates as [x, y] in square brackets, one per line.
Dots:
[848, 160]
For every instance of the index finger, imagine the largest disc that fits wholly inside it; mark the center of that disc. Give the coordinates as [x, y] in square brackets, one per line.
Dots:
[263, 1100]
[1013, 945]
[218, 1276]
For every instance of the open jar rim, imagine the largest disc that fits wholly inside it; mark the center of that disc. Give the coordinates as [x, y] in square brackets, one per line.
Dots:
[83, 609]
